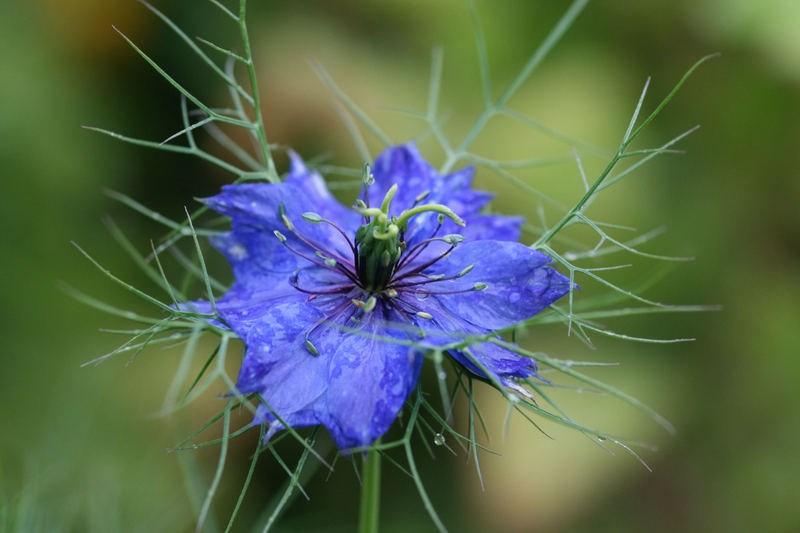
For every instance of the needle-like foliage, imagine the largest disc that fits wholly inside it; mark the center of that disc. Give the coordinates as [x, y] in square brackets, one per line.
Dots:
[428, 415]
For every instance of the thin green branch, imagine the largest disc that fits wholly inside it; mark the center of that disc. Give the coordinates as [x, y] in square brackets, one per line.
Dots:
[229, 80]
[222, 50]
[182, 90]
[266, 153]
[350, 105]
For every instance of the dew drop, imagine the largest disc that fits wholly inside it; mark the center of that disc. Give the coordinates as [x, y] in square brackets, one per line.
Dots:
[421, 295]
[442, 375]
[438, 439]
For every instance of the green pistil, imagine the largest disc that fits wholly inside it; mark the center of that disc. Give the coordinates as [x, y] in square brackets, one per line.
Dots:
[402, 220]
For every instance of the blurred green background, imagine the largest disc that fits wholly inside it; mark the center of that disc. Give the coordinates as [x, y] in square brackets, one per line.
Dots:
[79, 449]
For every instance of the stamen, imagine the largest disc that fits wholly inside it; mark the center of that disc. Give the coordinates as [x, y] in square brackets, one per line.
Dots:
[366, 175]
[423, 314]
[311, 244]
[421, 197]
[427, 292]
[294, 282]
[367, 179]
[284, 218]
[367, 306]
[411, 255]
[339, 268]
[337, 228]
[422, 267]
[453, 238]
[466, 270]
[311, 348]
[311, 218]
[430, 279]
[403, 313]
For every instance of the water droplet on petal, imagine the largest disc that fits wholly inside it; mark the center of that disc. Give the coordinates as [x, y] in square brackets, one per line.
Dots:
[422, 295]
[438, 439]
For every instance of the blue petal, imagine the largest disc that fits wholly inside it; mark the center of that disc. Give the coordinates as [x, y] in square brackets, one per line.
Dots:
[369, 380]
[492, 227]
[316, 194]
[257, 258]
[355, 386]
[402, 166]
[277, 365]
[520, 284]
[446, 327]
[251, 246]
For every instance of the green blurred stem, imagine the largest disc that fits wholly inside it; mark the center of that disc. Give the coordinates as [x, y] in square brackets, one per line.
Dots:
[371, 493]
[266, 153]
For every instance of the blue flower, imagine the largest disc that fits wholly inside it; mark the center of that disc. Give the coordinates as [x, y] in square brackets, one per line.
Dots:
[320, 289]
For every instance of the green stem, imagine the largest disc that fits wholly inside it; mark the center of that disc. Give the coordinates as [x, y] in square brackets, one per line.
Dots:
[371, 493]
[266, 153]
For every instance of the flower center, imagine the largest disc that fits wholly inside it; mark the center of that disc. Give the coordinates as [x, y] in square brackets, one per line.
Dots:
[382, 268]
[380, 241]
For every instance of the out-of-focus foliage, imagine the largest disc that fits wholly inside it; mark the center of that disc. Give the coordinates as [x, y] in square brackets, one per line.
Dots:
[78, 449]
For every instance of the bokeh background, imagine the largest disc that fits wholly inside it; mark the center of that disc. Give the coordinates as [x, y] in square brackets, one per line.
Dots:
[79, 447]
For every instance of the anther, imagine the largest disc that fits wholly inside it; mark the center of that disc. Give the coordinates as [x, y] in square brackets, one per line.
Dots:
[391, 293]
[453, 238]
[311, 348]
[312, 218]
[284, 218]
[423, 314]
[367, 306]
[421, 197]
[479, 286]
[466, 271]
[281, 237]
[366, 175]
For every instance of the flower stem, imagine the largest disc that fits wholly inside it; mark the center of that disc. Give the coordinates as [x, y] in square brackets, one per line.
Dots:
[371, 493]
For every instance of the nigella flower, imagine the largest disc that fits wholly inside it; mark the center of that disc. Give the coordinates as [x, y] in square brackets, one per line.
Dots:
[321, 287]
